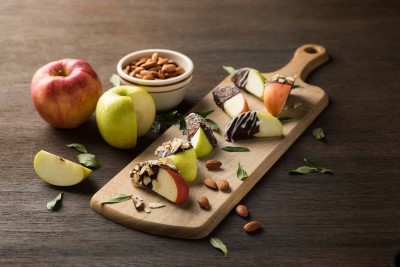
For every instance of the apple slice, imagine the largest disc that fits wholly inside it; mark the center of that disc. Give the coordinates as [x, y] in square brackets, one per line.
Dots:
[276, 93]
[181, 154]
[255, 83]
[253, 124]
[162, 178]
[230, 100]
[200, 135]
[58, 171]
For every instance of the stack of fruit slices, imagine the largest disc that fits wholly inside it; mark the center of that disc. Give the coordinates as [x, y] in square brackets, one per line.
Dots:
[245, 123]
[177, 167]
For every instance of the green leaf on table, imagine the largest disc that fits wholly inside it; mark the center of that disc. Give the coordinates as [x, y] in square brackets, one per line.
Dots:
[79, 147]
[310, 167]
[166, 119]
[156, 127]
[303, 170]
[89, 160]
[55, 204]
[218, 244]
[318, 133]
[116, 199]
[235, 149]
[229, 69]
[319, 168]
[114, 80]
[241, 173]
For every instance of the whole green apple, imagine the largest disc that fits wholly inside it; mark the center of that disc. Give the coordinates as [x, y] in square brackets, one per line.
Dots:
[65, 92]
[124, 113]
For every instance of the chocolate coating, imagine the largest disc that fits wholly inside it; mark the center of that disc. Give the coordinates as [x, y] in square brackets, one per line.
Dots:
[193, 122]
[223, 94]
[239, 77]
[243, 126]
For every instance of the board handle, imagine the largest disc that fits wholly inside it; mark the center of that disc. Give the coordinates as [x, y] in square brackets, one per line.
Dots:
[306, 58]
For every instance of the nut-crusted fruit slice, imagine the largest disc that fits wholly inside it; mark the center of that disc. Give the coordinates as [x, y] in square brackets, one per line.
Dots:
[230, 100]
[162, 178]
[276, 93]
[181, 154]
[253, 124]
[200, 135]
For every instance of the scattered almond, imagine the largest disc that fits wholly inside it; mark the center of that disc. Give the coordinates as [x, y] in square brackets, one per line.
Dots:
[213, 164]
[210, 182]
[156, 205]
[223, 185]
[252, 226]
[242, 211]
[203, 202]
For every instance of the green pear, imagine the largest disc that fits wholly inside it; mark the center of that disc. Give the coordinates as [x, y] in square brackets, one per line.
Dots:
[255, 83]
[186, 163]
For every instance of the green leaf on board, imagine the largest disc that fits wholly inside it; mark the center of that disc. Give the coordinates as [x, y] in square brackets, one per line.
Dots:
[205, 113]
[284, 118]
[212, 125]
[235, 149]
[241, 173]
[116, 199]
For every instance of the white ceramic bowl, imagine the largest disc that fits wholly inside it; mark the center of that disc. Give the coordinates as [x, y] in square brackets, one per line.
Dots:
[166, 93]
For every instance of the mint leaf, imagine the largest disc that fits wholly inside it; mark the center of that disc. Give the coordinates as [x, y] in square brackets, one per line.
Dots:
[79, 147]
[88, 160]
[303, 170]
[114, 80]
[319, 168]
[116, 199]
[204, 114]
[229, 69]
[236, 149]
[318, 133]
[284, 118]
[218, 244]
[55, 204]
[212, 125]
[241, 173]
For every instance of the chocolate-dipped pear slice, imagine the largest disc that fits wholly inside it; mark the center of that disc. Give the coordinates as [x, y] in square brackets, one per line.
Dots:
[200, 135]
[253, 124]
[251, 80]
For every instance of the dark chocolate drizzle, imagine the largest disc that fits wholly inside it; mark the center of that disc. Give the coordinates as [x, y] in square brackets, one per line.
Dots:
[239, 77]
[243, 126]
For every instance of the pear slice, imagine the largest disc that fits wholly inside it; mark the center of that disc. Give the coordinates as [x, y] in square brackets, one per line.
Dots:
[58, 171]
[253, 124]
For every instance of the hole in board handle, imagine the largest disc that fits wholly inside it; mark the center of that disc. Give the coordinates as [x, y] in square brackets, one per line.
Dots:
[310, 50]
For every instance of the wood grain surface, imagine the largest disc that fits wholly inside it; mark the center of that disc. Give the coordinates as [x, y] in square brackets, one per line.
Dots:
[189, 220]
[350, 218]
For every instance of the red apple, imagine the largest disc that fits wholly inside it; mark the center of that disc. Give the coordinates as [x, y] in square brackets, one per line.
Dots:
[65, 92]
[276, 93]
[162, 178]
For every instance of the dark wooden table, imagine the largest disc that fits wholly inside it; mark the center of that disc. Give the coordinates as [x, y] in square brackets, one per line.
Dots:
[350, 218]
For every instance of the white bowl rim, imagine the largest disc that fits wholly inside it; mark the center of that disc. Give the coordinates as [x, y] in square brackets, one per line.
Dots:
[177, 79]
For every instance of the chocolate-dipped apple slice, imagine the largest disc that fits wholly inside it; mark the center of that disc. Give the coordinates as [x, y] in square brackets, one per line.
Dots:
[251, 80]
[162, 178]
[276, 93]
[200, 135]
[253, 124]
[230, 100]
[181, 154]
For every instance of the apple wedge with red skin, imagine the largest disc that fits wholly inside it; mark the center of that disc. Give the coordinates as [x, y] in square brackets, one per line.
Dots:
[276, 92]
[65, 92]
[161, 178]
[230, 100]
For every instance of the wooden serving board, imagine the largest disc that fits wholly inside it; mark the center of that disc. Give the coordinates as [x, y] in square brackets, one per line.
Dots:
[189, 220]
